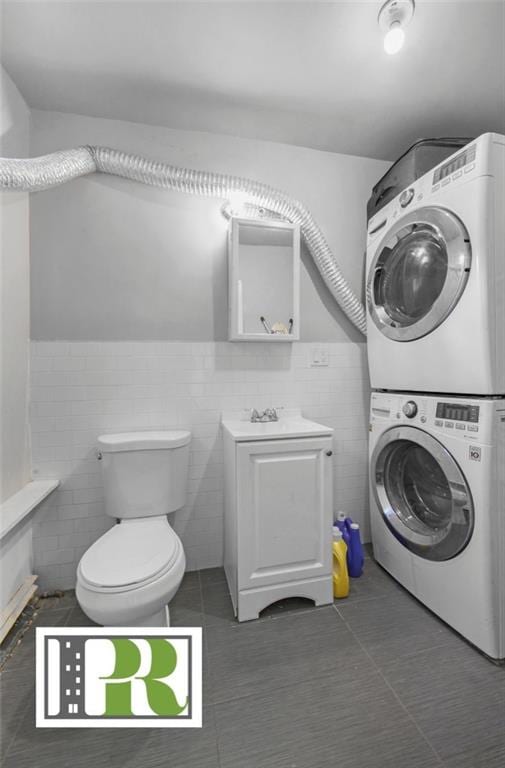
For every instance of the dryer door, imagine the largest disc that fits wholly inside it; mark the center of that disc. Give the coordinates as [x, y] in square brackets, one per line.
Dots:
[422, 493]
[418, 274]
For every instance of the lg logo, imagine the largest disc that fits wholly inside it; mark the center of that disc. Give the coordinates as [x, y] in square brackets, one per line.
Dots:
[474, 453]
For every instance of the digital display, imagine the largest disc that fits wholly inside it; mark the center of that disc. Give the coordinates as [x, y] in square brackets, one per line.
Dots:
[458, 412]
[465, 157]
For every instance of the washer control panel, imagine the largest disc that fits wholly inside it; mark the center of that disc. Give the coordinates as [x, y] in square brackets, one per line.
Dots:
[398, 408]
[470, 419]
[462, 416]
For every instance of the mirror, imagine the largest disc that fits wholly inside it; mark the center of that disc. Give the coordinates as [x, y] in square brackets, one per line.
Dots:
[264, 280]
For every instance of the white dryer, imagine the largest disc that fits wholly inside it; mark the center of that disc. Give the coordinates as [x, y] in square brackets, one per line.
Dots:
[436, 278]
[437, 501]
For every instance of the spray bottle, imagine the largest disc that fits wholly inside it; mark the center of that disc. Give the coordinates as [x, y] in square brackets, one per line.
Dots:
[355, 557]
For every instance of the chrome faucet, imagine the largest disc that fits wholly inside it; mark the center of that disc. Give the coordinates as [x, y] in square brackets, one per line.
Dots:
[269, 414]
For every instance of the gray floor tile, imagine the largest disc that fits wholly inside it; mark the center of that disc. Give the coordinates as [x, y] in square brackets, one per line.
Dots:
[217, 605]
[73, 748]
[293, 690]
[50, 758]
[257, 657]
[113, 748]
[77, 618]
[17, 692]
[352, 724]
[54, 746]
[493, 757]
[186, 609]
[394, 626]
[212, 575]
[374, 582]
[458, 699]
[191, 580]
[167, 747]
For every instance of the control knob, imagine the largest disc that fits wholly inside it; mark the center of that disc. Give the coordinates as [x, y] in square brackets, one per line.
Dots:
[406, 197]
[410, 409]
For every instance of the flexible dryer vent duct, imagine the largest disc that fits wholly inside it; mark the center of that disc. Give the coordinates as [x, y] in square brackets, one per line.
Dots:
[48, 171]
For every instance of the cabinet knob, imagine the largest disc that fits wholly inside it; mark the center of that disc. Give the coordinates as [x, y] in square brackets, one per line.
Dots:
[329, 453]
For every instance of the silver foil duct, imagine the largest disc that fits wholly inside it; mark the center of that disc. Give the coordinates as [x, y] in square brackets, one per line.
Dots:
[50, 170]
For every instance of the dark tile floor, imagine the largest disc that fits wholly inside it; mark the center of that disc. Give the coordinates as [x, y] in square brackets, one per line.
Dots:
[375, 681]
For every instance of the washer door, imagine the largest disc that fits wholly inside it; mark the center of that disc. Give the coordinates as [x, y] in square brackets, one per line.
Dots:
[418, 274]
[422, 493]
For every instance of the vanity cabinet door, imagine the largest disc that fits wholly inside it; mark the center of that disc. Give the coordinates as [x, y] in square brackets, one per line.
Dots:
[284, 503]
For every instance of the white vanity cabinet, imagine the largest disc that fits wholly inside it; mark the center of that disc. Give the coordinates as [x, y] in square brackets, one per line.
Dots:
[278, 516]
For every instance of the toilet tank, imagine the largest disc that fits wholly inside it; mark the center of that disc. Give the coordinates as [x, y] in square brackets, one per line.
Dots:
[144, 473]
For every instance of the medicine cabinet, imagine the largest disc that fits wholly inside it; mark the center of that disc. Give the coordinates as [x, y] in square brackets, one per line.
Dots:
[264, 280]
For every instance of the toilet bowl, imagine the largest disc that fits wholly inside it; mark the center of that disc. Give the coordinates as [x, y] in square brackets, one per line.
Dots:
[130, 574]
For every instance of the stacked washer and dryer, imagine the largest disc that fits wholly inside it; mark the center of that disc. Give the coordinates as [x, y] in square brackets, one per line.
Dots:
[436, 351]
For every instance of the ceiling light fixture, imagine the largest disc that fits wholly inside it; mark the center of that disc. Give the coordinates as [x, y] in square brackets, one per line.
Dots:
[394, 16]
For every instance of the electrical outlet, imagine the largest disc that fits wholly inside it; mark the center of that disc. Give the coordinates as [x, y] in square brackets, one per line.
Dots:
[319, 356]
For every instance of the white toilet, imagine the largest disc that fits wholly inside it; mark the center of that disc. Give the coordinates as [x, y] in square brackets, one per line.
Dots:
[130, 574]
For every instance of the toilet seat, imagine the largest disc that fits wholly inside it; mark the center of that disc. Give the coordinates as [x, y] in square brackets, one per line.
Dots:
[132, 554]
[131, 572]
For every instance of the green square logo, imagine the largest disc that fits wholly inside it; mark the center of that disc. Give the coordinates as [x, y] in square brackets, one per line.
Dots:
[119, 677]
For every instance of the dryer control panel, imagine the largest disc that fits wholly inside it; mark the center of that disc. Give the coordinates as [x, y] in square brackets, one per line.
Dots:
[476, 159]
[455, 164]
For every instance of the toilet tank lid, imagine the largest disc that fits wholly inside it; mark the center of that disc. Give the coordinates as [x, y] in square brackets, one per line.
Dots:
[143, 441]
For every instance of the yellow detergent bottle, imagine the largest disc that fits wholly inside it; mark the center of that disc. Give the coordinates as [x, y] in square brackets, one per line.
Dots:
[340, 573]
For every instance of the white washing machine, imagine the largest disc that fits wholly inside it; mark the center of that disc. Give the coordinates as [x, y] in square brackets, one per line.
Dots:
[437, 502]
[436, 278]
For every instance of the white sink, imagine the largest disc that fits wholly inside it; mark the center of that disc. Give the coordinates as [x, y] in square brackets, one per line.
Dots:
[290, 424]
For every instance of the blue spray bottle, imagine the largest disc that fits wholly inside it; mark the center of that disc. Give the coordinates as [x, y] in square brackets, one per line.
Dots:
[355, 557]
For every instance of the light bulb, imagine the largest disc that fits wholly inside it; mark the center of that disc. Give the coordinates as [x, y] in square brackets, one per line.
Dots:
[394, 39]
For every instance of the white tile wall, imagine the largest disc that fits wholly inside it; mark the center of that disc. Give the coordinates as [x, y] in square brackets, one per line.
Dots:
[82, 389]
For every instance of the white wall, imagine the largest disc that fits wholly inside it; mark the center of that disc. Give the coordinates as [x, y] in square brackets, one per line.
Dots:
[15, 244]
[83, 389]
[15, 547]
[115, 260]
[129, 322]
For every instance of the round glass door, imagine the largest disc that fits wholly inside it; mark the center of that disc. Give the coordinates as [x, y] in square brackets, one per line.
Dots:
[422, 493]
[418, 274]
